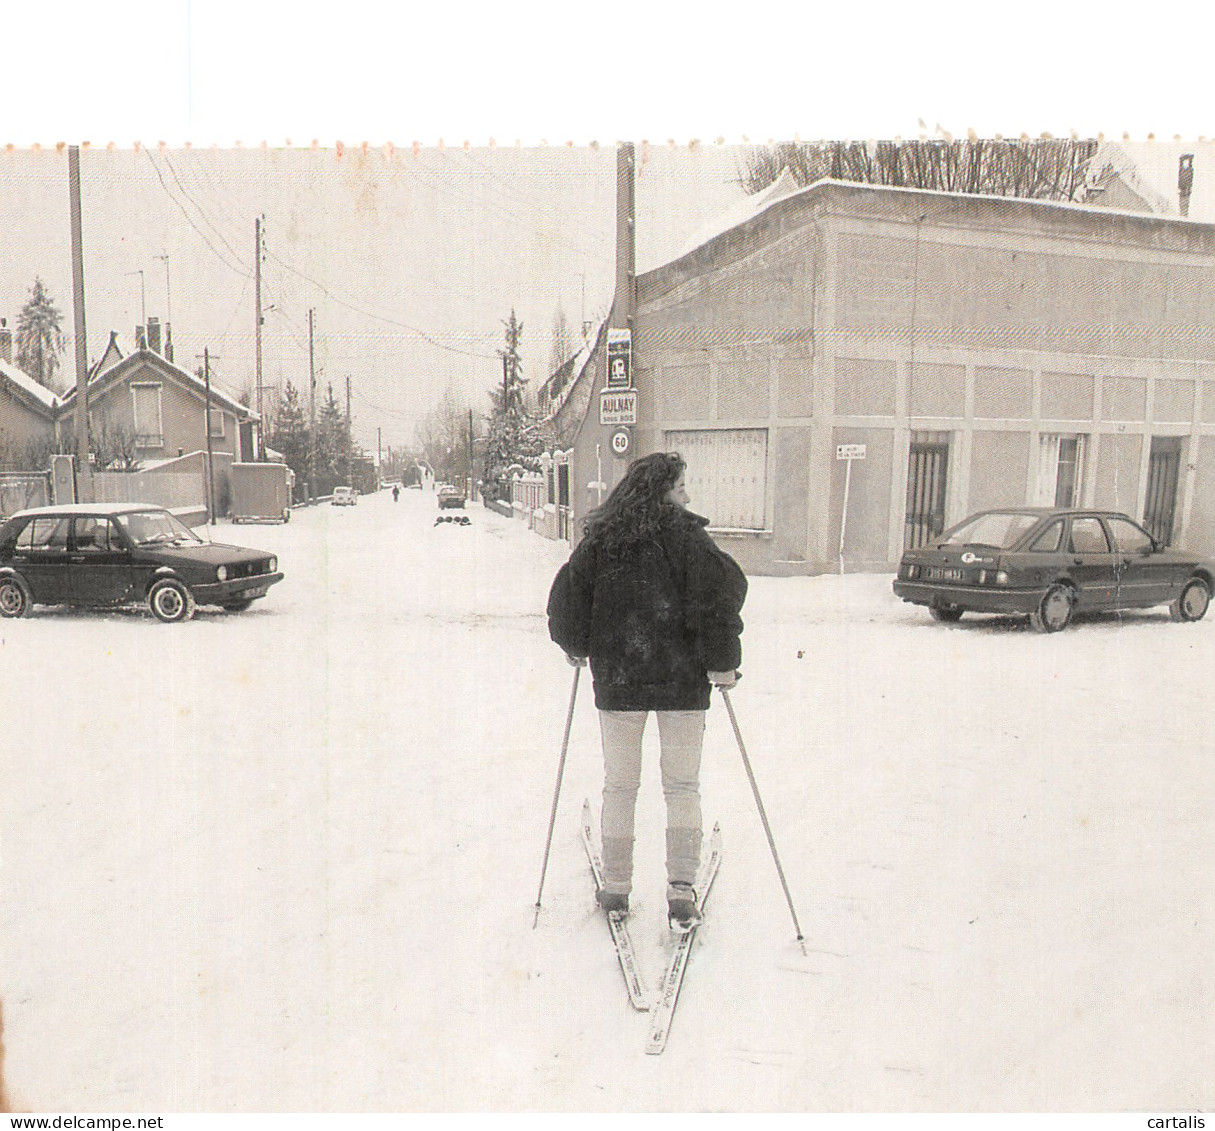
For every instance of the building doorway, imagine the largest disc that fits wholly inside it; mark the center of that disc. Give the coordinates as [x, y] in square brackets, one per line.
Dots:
[927, 469]
[1164, 469]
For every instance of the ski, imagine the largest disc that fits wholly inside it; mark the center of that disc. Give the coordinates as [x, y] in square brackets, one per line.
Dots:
[668, 997]
[616, 920]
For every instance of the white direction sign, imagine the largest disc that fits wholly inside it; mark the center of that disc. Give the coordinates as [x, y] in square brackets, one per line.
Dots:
[849, 451]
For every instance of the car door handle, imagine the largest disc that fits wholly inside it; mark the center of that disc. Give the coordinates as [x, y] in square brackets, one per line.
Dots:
[1077, 561]
[75, 557]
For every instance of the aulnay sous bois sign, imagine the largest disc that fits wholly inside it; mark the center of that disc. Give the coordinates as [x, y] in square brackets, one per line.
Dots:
[618, 406]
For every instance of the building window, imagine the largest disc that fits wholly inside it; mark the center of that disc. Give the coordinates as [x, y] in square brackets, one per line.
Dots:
[727, 474]
[1060, 470]
[216, 418]
[146, 412]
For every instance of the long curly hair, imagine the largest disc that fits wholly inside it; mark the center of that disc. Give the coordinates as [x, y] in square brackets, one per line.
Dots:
[637, 509]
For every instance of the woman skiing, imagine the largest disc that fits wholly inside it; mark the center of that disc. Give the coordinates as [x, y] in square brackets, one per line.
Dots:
[654, 604]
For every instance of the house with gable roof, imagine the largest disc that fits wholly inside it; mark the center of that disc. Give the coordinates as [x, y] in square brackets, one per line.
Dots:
[162, 413]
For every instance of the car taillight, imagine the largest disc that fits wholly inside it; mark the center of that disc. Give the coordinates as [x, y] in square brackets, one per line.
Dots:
[911, 572]
[993, 577]
[272, 565]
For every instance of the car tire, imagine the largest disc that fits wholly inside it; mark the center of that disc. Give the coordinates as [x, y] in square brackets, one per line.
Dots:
[14, 597]
[946, 614]
[238, 606]
[171, 601]
[1054, 611]
[1192, 602]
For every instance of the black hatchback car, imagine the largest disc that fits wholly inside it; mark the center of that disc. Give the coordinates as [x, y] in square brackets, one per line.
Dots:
[109, 554]
[1048, 563]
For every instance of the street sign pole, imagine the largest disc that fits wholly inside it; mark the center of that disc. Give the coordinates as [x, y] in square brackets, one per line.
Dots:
[847, 452]
[844, 514]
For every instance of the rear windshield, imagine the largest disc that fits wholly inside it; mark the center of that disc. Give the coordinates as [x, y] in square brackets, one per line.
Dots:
[1001, 531]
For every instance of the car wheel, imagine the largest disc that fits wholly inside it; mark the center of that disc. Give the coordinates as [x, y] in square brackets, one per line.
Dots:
[238, 606]
[1192, 602]
[1054, 613]
[946, 614]
[171, 601]
[14, 597]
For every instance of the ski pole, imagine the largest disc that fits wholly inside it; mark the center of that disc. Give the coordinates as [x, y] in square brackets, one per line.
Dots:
[763, 816]
[552, 817]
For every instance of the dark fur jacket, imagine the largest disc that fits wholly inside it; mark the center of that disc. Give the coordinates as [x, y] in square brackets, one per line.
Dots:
[653, 621]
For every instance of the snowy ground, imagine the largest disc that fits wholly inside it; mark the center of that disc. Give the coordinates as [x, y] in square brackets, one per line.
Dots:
[287, 860]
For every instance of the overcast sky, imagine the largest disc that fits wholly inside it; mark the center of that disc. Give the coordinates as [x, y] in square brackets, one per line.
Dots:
[410, 261]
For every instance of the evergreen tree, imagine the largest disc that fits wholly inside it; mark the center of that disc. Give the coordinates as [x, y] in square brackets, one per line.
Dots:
[289, 433]
[332, 440]
[40, 338]
[515, 438]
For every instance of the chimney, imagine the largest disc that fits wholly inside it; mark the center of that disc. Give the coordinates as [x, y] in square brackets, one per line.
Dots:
[154, 334]
[6, 342]
[1185, 181]
[141, 339]
[168, 341]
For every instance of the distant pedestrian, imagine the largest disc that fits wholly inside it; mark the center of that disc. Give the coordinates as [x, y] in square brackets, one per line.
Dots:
[396, 492]
[653, 603]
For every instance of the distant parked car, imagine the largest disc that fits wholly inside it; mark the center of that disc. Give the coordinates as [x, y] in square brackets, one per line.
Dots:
[450, 496]
[1048, 563]
[108, 554]
[345, 497]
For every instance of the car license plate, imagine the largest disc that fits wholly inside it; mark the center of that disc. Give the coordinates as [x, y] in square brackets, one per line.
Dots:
[256, 591]
[944, 573]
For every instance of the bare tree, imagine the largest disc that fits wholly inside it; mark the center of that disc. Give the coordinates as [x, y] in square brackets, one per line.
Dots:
[442, 437]
[1039, 168]
[113, 445]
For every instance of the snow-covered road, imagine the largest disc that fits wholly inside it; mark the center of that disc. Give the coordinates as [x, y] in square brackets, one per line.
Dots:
[287, 860]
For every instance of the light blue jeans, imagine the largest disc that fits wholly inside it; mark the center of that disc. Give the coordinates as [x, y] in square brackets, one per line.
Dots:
[681, 735]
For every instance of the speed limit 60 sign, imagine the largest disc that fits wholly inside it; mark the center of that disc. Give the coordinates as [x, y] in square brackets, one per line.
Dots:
[621, 441]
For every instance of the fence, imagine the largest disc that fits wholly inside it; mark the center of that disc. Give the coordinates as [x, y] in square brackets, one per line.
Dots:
[22, 489]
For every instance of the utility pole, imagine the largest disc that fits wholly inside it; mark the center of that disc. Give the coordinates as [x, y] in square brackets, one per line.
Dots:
[257, 334]
[207, 428]
[81, 342]
[349, 438]
[311, 409]
[469, 486]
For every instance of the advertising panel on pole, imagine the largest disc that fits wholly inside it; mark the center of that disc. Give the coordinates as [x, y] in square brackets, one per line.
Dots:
[619, 358]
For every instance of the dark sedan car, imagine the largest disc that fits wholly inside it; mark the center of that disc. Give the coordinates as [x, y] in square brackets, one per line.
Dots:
[108, 554]
[1050, 563]
[450, 496]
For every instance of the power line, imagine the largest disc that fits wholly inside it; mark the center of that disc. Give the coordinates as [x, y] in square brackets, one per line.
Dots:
[190, 220]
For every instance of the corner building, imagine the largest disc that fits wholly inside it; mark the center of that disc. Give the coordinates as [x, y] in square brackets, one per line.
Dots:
[985, 351]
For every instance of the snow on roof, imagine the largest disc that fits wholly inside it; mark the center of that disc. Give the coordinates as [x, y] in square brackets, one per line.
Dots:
[27, 384]
[147, 355]
[1142, 172]
[785, 188]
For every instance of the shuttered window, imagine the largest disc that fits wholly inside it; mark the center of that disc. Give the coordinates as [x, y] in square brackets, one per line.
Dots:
[145, 405]
[727, 474]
